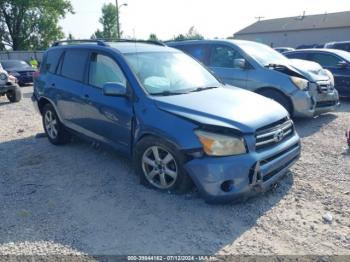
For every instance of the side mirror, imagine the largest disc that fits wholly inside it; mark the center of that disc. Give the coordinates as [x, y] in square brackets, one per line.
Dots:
[114, 89]
[239, 63]
[342, 64]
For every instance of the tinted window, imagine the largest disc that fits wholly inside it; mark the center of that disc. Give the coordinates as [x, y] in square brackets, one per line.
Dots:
[74, 64]
[325, 59]
[51, 61]
[342, 46]
[223, 56]
[297, 56]
[104, 69]
[9, 64]
[199, 52]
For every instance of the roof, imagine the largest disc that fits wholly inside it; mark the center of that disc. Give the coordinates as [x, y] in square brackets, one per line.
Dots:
[307, 22]
[124, 47]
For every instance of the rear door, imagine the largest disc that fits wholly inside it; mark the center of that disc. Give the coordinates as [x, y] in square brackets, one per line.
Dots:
[222, 63]
[67, 86]
[107, 118]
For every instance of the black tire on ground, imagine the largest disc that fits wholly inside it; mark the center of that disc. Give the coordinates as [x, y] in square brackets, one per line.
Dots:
[62, 135]
[279, 98]
[182, 184]
[14, 95]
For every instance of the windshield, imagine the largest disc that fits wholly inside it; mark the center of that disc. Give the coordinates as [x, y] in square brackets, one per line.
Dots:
[170, 72]
[344, 54]
[14, 64]
[263, 54]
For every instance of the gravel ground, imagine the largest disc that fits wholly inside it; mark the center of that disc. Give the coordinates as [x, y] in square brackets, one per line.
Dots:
[79, 199]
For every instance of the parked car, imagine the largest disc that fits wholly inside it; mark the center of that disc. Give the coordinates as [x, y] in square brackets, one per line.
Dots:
[166, 111]
[9, 87]
[283, 49]
[310, 46]
[336, 61]
[345, 45]
[303, 88]
[19, 69]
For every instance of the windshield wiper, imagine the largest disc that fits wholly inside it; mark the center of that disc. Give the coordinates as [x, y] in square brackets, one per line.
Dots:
[198, 89]
[167, 93]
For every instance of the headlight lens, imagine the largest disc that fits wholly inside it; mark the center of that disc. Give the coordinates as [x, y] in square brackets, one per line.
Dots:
[331, 77]
[221, 145]
[300, 83]
[14, 73]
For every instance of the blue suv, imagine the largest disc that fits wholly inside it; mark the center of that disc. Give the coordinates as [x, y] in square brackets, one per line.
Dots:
[162, 108]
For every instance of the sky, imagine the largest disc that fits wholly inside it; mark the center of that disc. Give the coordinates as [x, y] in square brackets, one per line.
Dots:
[212, 18]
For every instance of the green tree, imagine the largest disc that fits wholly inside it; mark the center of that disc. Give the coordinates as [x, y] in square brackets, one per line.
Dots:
[108, 22]
[153, 37]
[192, 34]
[31, 24]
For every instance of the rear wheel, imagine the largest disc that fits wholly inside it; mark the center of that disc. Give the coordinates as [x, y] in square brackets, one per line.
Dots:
[160, 165]
[279, 98]
[14, 95]
[55, 131]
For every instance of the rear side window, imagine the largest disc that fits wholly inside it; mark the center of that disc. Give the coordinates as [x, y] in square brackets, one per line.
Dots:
[74, 64]
[325, 59]
[51, 61]
[224, 56]
[297, 56]
[199, 52]
[104, 69]
[342, 46]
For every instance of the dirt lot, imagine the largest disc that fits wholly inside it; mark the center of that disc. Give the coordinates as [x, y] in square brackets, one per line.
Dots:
[79, 198]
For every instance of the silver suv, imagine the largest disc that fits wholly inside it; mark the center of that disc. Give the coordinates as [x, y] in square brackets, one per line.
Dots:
[304, 88]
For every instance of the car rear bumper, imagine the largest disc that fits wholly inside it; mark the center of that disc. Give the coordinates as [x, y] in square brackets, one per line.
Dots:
[308, 104]
[247, 174]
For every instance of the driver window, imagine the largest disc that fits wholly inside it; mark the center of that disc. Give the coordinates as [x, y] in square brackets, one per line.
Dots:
[104, 69]
[223, 56]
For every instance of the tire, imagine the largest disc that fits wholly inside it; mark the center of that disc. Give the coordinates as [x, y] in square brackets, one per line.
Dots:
[169, 166]
[14, 95]
[54, 129]
[280, 98]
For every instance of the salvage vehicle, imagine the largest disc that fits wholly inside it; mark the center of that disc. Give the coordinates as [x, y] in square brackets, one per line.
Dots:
[283, 49]
[9, 87]
[19, 69]
[344, 45]
[168, 113]
[304, 89]
[336, 61]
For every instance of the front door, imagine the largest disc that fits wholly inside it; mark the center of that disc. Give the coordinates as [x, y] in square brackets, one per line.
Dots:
[108, 119]
[222, 63]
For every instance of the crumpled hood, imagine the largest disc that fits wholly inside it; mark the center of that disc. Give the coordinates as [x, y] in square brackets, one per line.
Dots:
[311, 70]
[228, 106]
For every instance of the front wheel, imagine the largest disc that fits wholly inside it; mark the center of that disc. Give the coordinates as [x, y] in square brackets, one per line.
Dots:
[14, 95]
[160, 165]
[280, 98]
[55, 131]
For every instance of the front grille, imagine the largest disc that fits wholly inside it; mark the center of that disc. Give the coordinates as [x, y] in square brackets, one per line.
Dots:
[274, 133]
[325, 86]
[326, 103]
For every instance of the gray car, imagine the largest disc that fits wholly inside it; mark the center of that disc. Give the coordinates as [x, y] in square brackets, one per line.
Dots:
[304, 88]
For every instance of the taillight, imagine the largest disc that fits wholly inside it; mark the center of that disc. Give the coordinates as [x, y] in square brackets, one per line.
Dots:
[36, 74]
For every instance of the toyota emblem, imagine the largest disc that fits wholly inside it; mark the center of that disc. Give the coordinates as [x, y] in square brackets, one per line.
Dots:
[279, 135]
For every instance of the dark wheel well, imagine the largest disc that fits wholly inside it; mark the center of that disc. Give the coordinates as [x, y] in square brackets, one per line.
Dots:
[42, 103]
[270, 91]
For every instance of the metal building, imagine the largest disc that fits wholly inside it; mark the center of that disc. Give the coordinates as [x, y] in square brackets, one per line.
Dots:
[297, 31]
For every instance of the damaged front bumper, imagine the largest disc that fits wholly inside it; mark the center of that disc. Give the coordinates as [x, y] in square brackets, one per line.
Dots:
[223, 179]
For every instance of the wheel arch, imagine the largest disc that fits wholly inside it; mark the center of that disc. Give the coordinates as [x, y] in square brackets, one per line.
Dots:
[273, 89]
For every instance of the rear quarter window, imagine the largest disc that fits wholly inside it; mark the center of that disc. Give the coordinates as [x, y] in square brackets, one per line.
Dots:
[51, 61]
[74, 64]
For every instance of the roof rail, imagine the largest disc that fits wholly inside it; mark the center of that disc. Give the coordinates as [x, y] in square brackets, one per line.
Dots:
[84, 41]
[152, 42]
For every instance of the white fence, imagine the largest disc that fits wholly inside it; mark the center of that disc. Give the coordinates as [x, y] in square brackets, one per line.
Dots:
[21, 55]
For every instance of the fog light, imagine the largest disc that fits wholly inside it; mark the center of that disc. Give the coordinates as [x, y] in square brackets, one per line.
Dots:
[227, 186]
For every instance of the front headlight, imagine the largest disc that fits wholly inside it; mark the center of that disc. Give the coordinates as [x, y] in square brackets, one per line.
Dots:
[331, 77]
[221, 145]
[14, 73]
[300, 83]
